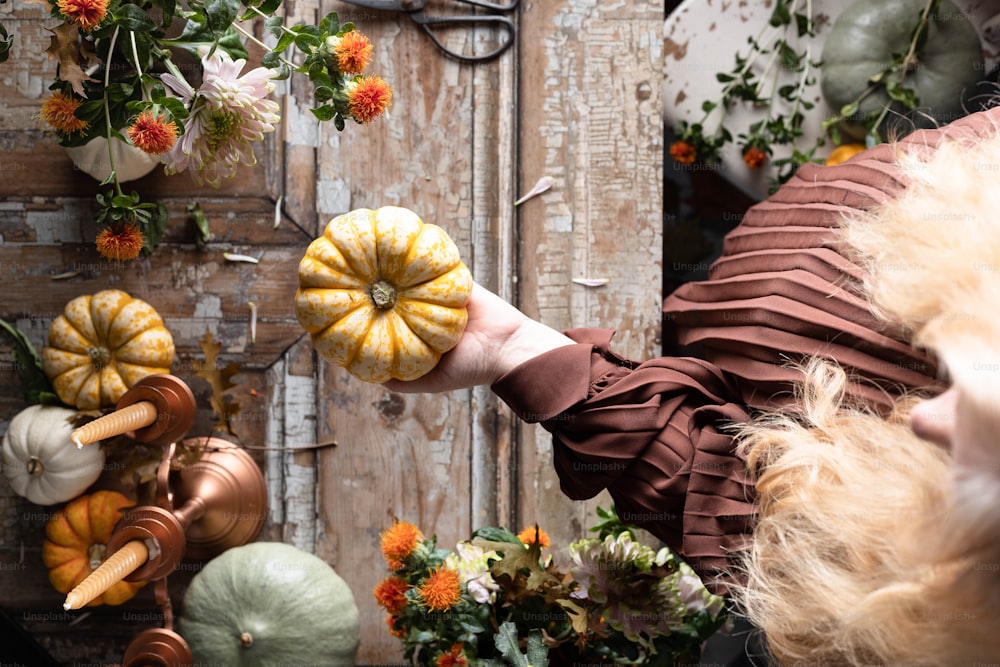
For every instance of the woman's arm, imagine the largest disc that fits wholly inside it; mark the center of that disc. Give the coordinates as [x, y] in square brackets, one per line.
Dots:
[497, 338]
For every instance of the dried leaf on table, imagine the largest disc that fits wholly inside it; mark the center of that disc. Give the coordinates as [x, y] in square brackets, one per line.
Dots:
[220, 379]
[64, 47]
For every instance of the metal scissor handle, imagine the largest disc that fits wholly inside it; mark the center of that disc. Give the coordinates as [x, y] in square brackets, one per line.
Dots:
[427, 23]
[492, 6]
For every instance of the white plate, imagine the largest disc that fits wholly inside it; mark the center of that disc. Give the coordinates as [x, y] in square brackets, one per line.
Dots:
[702, 37]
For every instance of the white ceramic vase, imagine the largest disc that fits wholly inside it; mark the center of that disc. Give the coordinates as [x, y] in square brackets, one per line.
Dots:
[130, 162]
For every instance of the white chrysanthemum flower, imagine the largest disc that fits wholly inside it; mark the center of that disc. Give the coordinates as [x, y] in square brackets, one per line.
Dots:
[472, 564]
[227, 113]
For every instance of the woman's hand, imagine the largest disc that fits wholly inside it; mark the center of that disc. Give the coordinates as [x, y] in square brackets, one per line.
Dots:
[497, 338]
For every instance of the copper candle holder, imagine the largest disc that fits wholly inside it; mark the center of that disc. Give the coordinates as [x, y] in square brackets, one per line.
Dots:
[213, 504]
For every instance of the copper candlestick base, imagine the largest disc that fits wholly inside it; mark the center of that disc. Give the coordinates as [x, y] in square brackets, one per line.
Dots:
[231, 486]
[158, 647]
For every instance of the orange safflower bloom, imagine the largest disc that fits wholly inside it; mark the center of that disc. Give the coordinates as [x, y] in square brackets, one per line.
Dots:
[367, 98]
[453, 658]
[87, 14]
[399, 542]
[353, 51]
[528, 536]
[754, 157]
[391, 594]
[393, 630]
[59, 111]
[123, 244]
[683, 152]
[152, 133]
[441, 590]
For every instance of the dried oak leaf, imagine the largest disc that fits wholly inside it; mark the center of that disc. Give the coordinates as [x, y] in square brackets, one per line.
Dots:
[516, 559]
[220, 379]
[64, 47]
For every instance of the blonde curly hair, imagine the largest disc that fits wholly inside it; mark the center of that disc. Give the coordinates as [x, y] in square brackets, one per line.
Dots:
[872, 546]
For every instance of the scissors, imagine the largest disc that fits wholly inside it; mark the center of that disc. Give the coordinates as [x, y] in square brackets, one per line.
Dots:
[415, 10]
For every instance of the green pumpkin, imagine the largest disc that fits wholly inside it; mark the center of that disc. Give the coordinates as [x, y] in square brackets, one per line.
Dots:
[266, 604]
[861, 44]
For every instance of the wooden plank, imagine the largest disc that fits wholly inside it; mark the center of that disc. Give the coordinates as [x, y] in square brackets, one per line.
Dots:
[407, 457]
[591, 121]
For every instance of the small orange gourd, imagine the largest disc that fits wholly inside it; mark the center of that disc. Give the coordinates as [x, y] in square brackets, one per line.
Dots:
[76, 540]
[101, 345]
[383, 294]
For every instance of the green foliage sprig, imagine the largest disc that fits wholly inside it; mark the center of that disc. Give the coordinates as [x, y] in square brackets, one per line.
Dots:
[746, 84]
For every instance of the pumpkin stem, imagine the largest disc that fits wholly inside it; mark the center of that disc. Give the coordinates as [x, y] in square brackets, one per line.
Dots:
[35, 467]
[95, 554]
[246, 639]
[99, 356]
[382, 294]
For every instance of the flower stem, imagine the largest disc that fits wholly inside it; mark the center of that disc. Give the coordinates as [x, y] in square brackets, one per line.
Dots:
[107, 109]
[259, 43]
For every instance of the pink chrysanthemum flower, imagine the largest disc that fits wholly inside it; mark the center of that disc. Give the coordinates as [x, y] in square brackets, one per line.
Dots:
[228, 113]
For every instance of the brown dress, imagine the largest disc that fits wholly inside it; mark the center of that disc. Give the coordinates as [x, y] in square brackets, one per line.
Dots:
[654, 433]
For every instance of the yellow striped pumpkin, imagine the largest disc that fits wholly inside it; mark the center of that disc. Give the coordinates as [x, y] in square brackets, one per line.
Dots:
[383, 294]
[101, 345]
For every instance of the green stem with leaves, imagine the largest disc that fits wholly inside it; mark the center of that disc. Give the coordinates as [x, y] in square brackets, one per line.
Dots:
[250, 36]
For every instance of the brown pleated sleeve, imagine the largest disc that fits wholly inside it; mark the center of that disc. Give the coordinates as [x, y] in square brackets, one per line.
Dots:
[652, 433]
[655, 433]
[782, 291]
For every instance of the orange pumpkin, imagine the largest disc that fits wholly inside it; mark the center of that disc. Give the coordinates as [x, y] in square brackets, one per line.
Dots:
[76, 540]
[102, 345]
[843, 153]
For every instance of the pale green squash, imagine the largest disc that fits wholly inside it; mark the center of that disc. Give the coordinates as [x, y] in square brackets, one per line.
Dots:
[267, 603]
[862, 42]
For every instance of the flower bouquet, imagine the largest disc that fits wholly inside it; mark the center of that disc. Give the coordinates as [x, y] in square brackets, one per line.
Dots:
[144, 82]
[501, 598]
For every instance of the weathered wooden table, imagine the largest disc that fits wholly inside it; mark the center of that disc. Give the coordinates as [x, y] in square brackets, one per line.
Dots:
[577, 100]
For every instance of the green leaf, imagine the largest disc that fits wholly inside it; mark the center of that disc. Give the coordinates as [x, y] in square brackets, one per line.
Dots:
[898, 93]
[273, 24]
[790, 59]
[284, 42]
[325, 112]
[176, 108]
[124, 200]
[781, 14]
[330, 24]
[200, 224]
[497, 534]
[269, 6]
[221, 14]
[282, 72]
[120, 92]
[28, 364]
[134, 18]
[849, 110]
[271, 59]
[5, 42]
[803, 25]
[306, 42]
[153, 229]
[506, 642]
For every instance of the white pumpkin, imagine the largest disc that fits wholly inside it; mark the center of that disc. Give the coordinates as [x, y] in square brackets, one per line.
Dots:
[130, 162]
[41, 462]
